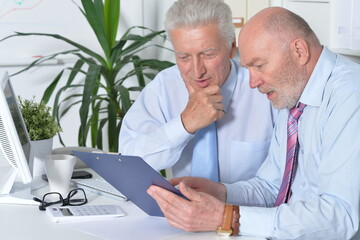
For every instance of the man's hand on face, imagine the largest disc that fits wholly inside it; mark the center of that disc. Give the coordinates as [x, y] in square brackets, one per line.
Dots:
[203, 108]
[202, 213]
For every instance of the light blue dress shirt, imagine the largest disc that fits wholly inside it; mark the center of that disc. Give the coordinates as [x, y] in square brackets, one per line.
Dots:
[326, 191]
[152, 128]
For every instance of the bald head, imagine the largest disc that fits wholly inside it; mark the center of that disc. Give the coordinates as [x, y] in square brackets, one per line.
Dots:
[282, 25]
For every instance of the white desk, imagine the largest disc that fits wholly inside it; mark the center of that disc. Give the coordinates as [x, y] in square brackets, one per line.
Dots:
[28, 222]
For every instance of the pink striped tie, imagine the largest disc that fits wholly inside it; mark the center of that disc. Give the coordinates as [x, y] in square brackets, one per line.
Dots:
[292, 154]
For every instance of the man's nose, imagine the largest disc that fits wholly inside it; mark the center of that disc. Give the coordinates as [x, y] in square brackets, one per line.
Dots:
[199, 68]
[255, 80]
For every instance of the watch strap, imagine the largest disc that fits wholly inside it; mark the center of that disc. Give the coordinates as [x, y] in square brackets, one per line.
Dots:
[226, 227]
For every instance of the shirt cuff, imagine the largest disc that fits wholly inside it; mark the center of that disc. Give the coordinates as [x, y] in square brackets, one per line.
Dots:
[176, 132]
[254, 221]
[257, 221]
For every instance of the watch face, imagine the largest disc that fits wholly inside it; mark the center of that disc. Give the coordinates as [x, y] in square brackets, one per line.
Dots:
[224, 233]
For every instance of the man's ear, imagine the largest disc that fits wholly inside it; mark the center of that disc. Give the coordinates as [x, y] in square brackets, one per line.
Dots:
[233, 49]
[300, 51]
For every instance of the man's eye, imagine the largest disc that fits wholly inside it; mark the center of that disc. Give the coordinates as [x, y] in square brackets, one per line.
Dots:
[259, 66]
[208, 55]
[183, 58]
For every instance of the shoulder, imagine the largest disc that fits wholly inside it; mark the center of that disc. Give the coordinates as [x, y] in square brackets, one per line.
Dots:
[168, 73]
[345, 77]
[166, 77]
[167, 84]
[241, 72]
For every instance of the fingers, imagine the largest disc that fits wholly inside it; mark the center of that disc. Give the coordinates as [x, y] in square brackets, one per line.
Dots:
[218, 190]
[212, 90]
[219, 107]
[170, 204]
[196, 183]
[202, 213]
[189, 193]
[175, 181]
[203, 108]
[190, 88]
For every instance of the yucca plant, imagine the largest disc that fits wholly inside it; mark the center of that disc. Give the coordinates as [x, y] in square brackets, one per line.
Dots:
[104, 99]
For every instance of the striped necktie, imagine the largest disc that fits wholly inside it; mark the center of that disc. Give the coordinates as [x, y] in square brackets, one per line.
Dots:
[205, 155]
[291, 156]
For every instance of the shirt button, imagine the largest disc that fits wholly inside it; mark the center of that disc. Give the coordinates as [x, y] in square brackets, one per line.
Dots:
[302, 151]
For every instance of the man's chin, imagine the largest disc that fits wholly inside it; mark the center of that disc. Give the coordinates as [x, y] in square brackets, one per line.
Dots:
[278, 105]
[281, 106]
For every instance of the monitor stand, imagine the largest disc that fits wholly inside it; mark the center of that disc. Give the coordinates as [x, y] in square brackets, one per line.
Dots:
[20, 194]
[13, 191]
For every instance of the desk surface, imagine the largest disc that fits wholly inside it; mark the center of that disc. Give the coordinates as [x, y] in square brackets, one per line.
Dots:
[27, 222]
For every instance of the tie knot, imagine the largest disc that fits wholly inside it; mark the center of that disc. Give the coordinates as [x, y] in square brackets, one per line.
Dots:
[295, 112]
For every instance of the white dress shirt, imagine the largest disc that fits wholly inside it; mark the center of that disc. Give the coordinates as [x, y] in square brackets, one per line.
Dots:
[326, 190]
[152, 128]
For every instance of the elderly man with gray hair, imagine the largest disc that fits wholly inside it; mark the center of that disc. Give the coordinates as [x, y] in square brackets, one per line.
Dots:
[198, 116]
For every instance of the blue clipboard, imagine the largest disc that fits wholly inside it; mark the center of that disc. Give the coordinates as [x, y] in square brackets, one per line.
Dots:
[131, 176]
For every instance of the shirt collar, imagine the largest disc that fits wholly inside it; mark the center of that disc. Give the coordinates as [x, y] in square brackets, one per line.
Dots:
[228, 87]
[315, 87]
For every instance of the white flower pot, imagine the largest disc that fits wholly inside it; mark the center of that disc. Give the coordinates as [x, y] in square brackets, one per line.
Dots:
[39, 150]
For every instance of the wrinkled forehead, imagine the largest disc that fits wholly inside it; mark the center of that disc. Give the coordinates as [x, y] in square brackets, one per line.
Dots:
[252, 45]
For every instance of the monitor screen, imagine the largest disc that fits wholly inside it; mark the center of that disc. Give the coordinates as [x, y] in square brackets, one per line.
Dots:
[17, 118]
[15, 143]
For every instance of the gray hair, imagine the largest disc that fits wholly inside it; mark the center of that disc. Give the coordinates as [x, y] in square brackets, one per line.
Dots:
[185, 13]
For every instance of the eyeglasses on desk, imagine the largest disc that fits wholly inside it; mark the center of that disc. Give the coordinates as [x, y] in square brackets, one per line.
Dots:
[75, 197]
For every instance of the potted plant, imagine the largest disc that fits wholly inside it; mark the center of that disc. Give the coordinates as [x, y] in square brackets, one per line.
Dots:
[42, 127]
[104, 99]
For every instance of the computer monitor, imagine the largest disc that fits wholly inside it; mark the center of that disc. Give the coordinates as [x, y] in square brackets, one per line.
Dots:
[15, 160]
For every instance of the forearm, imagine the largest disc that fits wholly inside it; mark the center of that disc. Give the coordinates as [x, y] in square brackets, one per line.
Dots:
[160, 146]
[324, 218]
[253, 192]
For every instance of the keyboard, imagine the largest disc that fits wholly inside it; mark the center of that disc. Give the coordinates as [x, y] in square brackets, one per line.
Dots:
[99, 186]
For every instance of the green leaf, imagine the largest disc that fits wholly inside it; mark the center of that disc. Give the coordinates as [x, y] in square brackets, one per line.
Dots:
[135, 88]
[137, 42]
[163, 173]
[112, 133]
[94, 13]
[112, 16]
[66, 109]
[94, 123]
[138, 70]
[75, 70]
[124, 98]
[79, 46]
[99, 140]
[150, 76]
[90, 80]
[50, 89]
[43, 60]
[155, 64]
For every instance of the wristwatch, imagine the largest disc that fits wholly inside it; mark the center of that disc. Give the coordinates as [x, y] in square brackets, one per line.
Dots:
[226, 228]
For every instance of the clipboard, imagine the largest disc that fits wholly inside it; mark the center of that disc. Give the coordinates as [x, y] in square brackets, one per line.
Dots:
[131, 176]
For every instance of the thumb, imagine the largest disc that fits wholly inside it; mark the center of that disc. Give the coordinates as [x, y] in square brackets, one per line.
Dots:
[188, 192]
